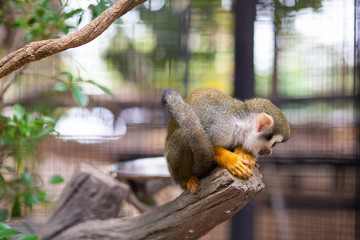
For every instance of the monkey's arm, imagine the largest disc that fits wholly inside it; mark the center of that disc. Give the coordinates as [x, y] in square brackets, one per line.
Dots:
[239, 162]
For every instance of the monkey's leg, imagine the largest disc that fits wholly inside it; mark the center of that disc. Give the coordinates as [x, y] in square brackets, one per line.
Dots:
[247, 156]
[193, 185]
[234, 163]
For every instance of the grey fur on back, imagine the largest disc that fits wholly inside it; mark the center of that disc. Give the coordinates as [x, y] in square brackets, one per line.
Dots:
[192, 134]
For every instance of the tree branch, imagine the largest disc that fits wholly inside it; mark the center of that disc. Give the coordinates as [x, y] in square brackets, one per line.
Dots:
[35, 51]
[187, 217]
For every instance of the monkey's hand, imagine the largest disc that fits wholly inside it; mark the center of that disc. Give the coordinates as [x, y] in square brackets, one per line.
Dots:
[238, 164]
[247, 156]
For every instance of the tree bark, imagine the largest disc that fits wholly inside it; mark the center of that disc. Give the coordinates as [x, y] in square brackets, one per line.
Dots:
[187, 217]
[91, 194]
[35, 51]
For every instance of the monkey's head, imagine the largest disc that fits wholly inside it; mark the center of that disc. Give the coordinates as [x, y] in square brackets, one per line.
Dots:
[269, 127]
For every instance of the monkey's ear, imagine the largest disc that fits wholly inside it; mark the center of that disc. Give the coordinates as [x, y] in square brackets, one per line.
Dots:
[264, 122]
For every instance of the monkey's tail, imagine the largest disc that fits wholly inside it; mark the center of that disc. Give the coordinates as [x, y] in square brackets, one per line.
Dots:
[194, 132]
[181, 111]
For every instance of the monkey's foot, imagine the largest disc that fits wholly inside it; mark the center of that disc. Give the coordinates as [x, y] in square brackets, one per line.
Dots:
[247, 156]
[234, 163]
[193, 185]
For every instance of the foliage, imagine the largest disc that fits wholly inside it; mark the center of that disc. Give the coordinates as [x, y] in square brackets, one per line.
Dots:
[6, 232]
[20, 136]
[75, 86]
[39, 19]
[282, 12]
[43, 19]
[97, 9]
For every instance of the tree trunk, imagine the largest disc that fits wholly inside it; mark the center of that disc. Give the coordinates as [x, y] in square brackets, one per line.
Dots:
[91, 194]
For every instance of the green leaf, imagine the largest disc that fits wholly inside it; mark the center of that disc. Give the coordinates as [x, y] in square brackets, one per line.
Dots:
[96, 10]
[102, 87]
[80, 18]
[10, 169]
[41, 195]
[54, 18]
[25, 129]
[19, 111]
[9, 232]
[4, 226]
[16, 208]
[61, 87]
[65, 29]
[68, 75]
[31, 21]
[45, 6]
[56, 179]
[19, 23]
[72, 13]
[29, 117]
[27, 178]
[45, 3]
[45, 120]
[40, 13]
[46, 131]
[30, 199]
[12, 123]
[6, 139]
[4, 214]
[28, 237]
[79, 96]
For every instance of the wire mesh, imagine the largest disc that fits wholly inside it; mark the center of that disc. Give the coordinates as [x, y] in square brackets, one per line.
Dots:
[311, 180]
[305, 59]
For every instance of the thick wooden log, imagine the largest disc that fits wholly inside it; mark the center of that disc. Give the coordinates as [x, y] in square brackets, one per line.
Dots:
[187, 217]
[91, 194]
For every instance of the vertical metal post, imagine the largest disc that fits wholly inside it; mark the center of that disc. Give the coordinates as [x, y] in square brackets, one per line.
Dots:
[186, 23]
[245, 11]
[357, 113]
[242, 223]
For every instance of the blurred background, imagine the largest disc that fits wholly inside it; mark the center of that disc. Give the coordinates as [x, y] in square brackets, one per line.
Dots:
[301, 54]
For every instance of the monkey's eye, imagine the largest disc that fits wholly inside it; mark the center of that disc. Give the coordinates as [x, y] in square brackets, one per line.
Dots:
[274, 144]
[268, 137]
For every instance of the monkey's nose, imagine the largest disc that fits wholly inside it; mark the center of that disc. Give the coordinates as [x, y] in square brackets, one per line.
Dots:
[265, 152]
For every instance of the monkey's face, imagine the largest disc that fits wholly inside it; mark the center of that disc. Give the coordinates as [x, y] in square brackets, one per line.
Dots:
[262, 144]
[268, 146]
[262, 141]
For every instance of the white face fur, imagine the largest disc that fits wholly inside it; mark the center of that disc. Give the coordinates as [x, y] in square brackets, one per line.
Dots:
[249, 133]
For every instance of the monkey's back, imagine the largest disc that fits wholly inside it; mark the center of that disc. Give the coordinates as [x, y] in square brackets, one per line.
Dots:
[218, 113]
[215, 113]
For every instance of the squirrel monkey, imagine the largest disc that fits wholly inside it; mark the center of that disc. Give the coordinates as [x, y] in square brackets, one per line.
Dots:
[209, 124]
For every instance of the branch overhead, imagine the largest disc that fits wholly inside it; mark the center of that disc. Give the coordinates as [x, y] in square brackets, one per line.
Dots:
[35, 51]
